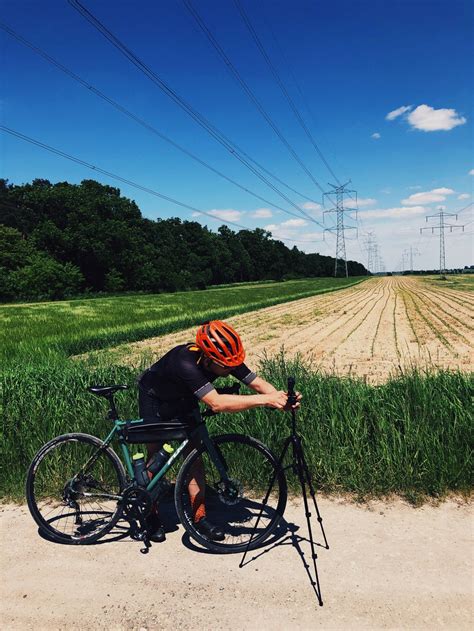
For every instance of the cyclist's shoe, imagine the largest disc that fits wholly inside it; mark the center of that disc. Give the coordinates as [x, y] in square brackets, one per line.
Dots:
[209, 530]
[156, 532]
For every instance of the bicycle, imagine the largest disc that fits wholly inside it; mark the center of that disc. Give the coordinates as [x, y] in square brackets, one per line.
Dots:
[77, 488]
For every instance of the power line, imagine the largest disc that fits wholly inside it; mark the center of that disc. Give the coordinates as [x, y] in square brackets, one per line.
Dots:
[114, 176]
[230, 66]
[238, 153]
[133, 116]
[290, 70]
[282, 87]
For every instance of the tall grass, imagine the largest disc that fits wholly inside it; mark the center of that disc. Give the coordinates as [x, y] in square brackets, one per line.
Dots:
[76, 326]
[412, 435]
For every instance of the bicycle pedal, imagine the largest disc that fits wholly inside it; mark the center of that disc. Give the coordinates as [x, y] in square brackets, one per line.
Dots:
[147, 543]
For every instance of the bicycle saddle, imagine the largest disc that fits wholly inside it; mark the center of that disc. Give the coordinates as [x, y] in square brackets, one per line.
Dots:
[105, 391]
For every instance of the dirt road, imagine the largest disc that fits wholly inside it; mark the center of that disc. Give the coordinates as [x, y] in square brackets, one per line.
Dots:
[379, 327]
[390, 566]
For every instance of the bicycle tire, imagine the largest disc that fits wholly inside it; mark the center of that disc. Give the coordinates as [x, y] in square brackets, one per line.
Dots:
[246, 504]
[34, 483]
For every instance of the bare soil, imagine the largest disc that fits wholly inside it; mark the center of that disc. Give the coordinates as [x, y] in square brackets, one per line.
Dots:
[389, 566]
[372, 330]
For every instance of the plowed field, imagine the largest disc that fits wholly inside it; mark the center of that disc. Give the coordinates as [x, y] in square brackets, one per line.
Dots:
[371, 330]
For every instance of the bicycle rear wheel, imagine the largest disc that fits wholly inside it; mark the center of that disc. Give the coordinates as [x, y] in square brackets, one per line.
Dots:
[73, 488]
[234, 506]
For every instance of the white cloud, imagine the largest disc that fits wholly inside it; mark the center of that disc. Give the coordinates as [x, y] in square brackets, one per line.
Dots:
[293, 223]
[311, 206]
[271, 227]
[398, 112]
[375, 135]
[385, 213]
[428, 197]
[262, 213]
[471, 172]
[426, 118]
[228, 214]
[313, 235]
[361, 202]
[464, 196]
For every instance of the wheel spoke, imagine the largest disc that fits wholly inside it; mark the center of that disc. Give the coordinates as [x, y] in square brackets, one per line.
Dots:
[235, 504]
[61, 480]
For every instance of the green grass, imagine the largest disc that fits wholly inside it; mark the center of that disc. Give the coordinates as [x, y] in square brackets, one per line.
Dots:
[30, 331]
[461, 282]
[410, 436]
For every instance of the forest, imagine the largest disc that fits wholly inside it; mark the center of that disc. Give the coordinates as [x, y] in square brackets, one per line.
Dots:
[64, 240]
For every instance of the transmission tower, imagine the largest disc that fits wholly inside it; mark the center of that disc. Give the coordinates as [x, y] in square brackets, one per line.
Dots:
[410, 252]
[371, 247]
[339, 192]
[442, 227]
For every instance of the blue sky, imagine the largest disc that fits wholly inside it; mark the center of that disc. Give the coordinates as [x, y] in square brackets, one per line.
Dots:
[384, 88]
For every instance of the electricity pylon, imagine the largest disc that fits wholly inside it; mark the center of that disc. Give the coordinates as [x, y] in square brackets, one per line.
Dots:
[411, 251]
[442, 227]
[339, 209]
[371, 247]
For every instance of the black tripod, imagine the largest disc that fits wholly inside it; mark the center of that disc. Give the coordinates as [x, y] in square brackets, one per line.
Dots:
[300, 468]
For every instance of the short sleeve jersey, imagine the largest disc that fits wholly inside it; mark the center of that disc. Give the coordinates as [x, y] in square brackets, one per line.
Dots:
[179, 376]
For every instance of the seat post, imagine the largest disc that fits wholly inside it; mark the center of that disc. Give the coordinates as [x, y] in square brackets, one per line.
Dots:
[113, 414]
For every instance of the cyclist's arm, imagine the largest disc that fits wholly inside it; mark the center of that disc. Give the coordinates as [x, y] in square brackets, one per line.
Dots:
[261, 386]
[238, 402]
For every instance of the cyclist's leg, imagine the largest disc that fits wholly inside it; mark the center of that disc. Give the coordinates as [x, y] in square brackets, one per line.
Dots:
[197, 484]
[148, 408]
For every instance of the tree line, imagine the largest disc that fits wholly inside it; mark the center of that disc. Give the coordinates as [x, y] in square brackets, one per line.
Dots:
[62, 240]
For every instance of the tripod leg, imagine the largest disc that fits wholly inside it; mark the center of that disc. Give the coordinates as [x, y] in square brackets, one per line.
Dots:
[265, 500]
[298, 453]
[313, 495]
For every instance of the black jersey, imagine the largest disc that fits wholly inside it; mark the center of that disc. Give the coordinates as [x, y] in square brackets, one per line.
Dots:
[179, 379]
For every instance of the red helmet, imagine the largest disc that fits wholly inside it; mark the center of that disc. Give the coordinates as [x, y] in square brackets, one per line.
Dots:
[221, 343]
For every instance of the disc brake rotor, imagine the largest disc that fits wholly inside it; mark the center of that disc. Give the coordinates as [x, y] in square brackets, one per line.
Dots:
[230, 492]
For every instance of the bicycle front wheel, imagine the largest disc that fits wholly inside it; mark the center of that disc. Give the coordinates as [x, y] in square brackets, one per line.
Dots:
[73, 488]
[233, 504]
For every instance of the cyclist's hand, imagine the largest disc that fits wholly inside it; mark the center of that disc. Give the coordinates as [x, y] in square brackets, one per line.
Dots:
[276, 400]
[288, 407]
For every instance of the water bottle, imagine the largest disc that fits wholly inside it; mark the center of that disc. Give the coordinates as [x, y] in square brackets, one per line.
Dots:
[139, 469]
[160, 458]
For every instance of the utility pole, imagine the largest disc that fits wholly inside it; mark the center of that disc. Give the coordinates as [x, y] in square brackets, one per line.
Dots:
[412, 252]
[370, 244]
[375, 254]
[442, 227]
[340, 268]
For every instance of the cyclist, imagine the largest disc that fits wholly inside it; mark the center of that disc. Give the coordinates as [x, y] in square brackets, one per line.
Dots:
[173, 387]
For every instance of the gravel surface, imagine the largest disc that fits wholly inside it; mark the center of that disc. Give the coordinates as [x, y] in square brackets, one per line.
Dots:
[390, 566]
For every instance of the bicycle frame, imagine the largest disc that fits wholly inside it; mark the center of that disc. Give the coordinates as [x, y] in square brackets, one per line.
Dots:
[200, 431]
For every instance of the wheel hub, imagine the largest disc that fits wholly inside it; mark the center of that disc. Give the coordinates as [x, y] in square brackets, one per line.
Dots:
[230, 491]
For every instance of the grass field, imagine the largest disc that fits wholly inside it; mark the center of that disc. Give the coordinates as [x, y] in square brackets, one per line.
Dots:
[410, 435]
[75, 326]
[461, 282]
